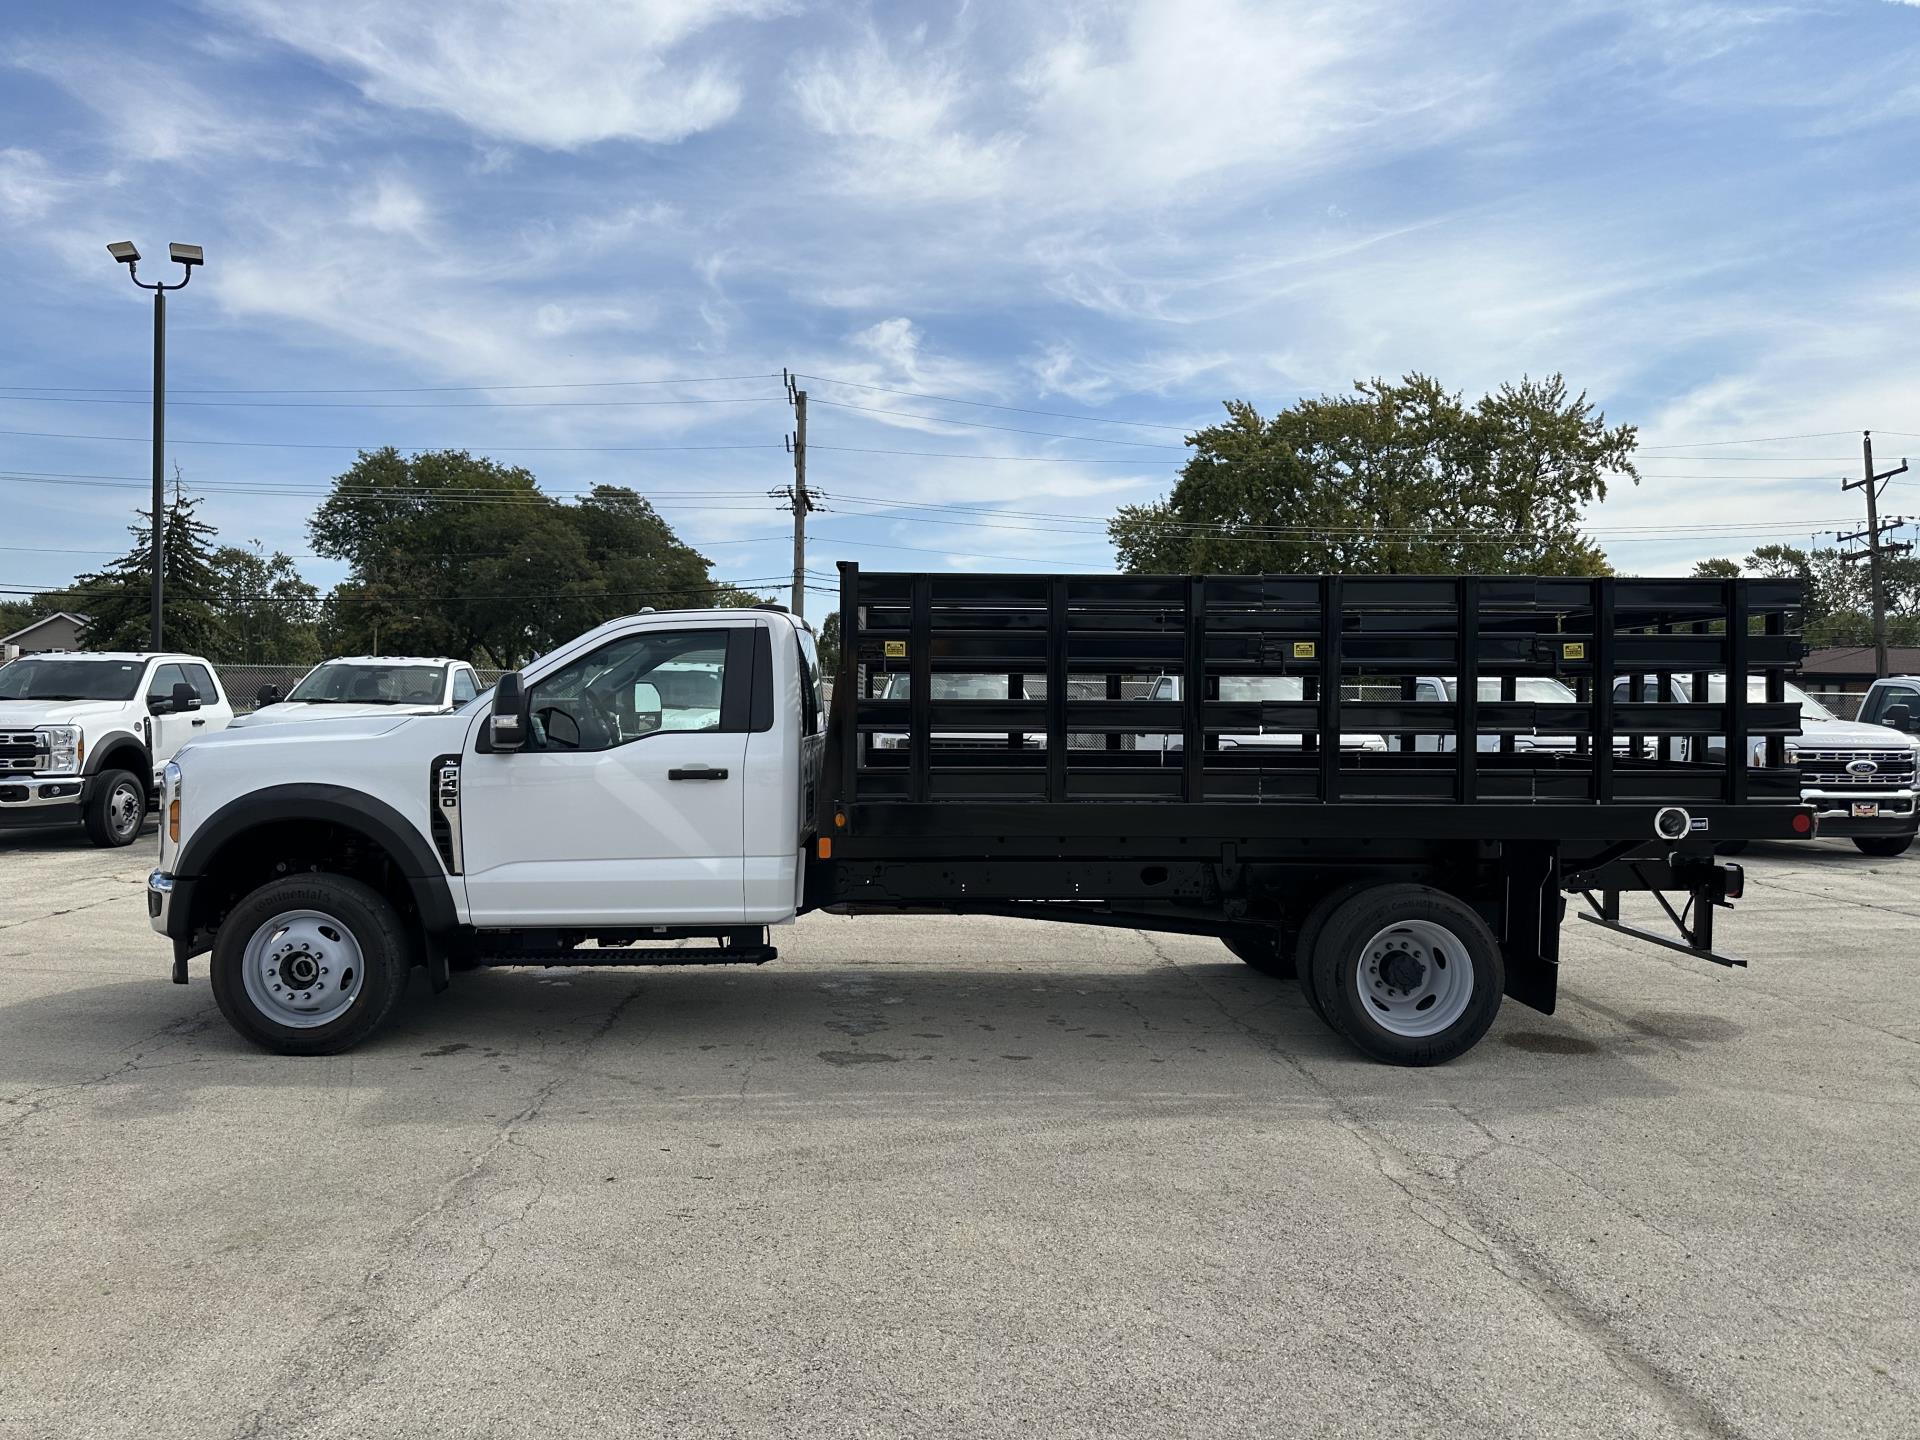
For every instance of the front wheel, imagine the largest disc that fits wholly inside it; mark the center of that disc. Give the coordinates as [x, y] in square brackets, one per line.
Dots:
[1409, 974]
[115, 811]
[310, 965]
[1885, 846]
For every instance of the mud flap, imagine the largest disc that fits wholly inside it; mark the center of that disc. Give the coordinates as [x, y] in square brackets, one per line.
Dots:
[1530, 943]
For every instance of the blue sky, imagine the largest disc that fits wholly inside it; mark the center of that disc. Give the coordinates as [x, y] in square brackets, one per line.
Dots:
[1702, 213]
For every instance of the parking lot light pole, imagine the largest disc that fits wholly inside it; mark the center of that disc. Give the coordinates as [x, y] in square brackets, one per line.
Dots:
[186, 256]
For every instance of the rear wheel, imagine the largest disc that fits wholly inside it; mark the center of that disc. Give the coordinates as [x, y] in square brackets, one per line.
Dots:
[1266, 952]
[1309, 937]
[1409, 974]
[117, 808]
[310, 965]
[1885, 846]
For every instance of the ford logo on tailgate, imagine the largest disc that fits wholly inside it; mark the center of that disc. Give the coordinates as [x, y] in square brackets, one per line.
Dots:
[1862, 767]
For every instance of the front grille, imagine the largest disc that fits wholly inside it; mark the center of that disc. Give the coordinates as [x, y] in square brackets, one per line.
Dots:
[1827, 769]
[19, 751]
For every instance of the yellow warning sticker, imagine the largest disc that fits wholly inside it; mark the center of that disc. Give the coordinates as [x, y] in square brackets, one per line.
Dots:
[896, 649]
[1303, 649]
[1573, 650]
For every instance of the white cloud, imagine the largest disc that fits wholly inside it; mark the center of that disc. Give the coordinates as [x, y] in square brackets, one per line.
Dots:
[28, 186]
[559, 74]
[392, 207]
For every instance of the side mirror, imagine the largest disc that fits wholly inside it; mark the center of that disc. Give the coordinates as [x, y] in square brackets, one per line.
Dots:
[1901, 717]
[185, 697]
[266, 695]
[507, 725]
[646, 706]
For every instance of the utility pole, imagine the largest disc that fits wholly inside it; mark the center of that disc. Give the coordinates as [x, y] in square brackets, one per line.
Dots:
[802, 502]
[1875, 546]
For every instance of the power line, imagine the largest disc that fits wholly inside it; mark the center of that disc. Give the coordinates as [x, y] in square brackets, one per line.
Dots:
[989, 405]
[389, 404]
[1750, 440]
[957, 455]
[397, 389]
[1008, 429]
[310, 445]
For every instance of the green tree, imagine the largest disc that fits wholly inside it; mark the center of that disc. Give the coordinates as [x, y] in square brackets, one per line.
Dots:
[119, 598]
[1839, 606]
[455, 554]
[271, 612]
[1396, 478]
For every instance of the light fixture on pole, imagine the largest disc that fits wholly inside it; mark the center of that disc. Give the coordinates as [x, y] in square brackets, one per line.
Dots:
[185, 256]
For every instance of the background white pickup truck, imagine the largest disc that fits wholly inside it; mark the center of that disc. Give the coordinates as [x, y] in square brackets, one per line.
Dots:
[369, 685]
[83, 736]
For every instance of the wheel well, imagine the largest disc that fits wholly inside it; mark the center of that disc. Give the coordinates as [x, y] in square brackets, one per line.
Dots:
[274, 849]
[126, 754]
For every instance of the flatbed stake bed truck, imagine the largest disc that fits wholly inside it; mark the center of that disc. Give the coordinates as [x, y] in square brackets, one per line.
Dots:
[670, 788]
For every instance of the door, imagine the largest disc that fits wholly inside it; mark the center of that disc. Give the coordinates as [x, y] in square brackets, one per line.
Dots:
[171, 731]
[627, 807]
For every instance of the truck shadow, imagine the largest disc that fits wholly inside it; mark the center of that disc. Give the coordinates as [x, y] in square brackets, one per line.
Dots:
[145, 1047]
[51, 839]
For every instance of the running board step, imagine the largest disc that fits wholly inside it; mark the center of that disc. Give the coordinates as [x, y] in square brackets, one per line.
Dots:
[636, 956]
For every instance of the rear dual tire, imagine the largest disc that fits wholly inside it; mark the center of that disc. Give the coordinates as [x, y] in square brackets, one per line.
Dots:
[1408, 974]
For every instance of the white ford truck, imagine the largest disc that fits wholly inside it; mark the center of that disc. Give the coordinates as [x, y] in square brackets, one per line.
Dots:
[358, 685]
[83, 735]
[667, 788]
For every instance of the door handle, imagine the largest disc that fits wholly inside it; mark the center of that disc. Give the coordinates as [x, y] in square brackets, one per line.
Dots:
[199, 722]
[697, 772]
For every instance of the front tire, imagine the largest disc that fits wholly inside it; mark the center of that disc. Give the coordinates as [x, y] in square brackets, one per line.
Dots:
[1885, 846]
[116, 810]
[310, 965]
[1409, 974]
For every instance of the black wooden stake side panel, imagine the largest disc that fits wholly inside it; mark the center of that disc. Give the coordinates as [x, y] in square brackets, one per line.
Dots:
[1097, 641]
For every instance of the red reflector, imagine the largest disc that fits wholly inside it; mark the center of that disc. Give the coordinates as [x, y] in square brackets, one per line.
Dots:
[1802, 824]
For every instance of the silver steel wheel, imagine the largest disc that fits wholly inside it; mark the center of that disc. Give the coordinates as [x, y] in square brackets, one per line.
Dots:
[126, 808]
[303, 969]
[1415, 978]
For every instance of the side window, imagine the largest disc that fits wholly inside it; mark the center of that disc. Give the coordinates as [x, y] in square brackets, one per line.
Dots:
[464, 688]
[631, 688]
[160, 687]
[1429, 691]
[811, 703]
[202, 682]
[1162, 688]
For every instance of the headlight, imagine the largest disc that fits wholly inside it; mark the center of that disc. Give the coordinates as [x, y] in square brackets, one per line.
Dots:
[62, 749]
[1760, 753]
[889, 742]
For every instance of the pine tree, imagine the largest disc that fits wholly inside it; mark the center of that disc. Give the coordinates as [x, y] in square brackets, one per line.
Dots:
[118, 599]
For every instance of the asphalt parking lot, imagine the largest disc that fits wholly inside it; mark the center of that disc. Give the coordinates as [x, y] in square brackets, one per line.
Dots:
[932, 1176]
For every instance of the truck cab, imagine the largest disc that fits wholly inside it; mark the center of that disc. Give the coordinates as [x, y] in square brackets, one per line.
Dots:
[84, 735]
[1894, 702]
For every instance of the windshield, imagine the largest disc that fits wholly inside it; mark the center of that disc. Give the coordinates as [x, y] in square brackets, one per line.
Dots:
[1262, 687]
[948, 687]
[372, 684]
[36, 679]
[1541, 689]
[1810, 708]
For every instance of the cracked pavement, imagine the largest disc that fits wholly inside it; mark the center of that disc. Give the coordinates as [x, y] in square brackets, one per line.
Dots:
[931, 1176]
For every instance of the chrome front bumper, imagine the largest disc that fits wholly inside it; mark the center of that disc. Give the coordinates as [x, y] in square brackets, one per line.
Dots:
[159, 900]
[1838, 804]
